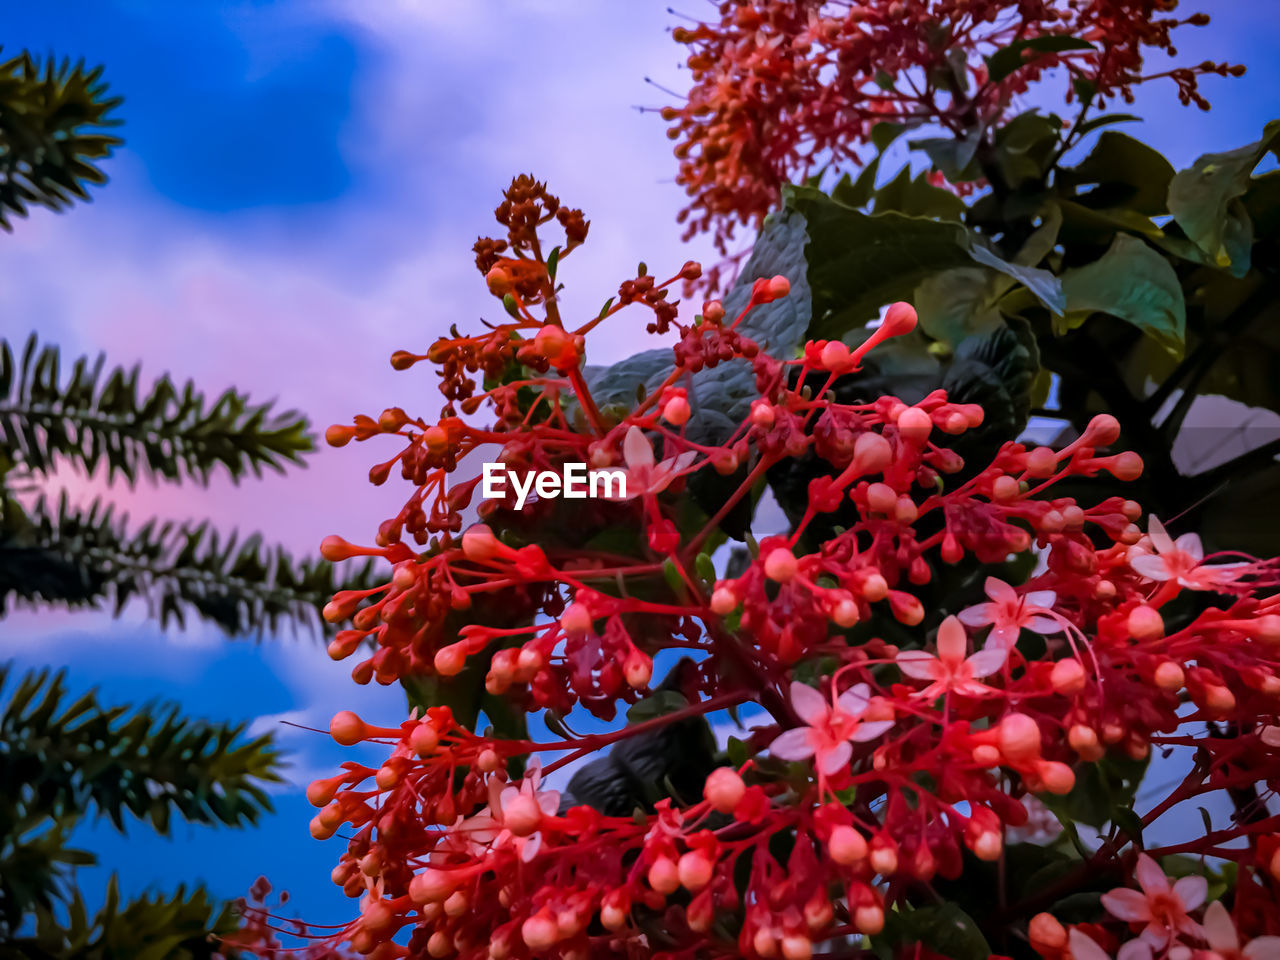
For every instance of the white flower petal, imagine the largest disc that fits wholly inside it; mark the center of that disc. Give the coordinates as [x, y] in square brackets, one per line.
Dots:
[919, 665]
[978, 615]
[1128, 905]
[1150, 566]
[810, 705]
[987, 661]
[1043, 625]
[1262, 948]
[870, 730]
[1191, 891]
[1220, 929]
[1150, 877]
[1084, 947]
[1041, 598]
[999, 591]
[793, 745]
[636, 449]
[855, 700]
[836, 759]
[1159, 538]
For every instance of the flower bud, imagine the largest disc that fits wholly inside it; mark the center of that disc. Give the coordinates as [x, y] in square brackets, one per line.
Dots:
[723, 601]
[847, 846]
[1068, 676]
[479, 543]
[869, 919]
[845, 613]
[638, 670]
[1084, 741]
[576, 619]
[432, 886]
[871, 453]
[780, 565]
[1102, 431]
[884, 855]
[1019, 737]
[335, 549]
[664, 876]
[796, 946]
[676, 411]
[339, 435]
[881, 498]
[1169, 676]
[695, 870]
[899, 319]
[1058, 777]
[724, 789]
[424, 739]
[762, 414]
[835, 357]
[1042, 462]
[1145, 622]
[914, 425]
[540, 931]
[346, 728]
[614, 909]
[1046, 934]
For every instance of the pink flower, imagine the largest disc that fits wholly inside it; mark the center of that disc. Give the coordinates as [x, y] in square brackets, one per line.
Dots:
[951, 670]
[1084, 947]
[1162, 906]
[644, 477]
[830, 729]
[1008, 613]
[546, 801]
[1220, 933]
[1181, 560]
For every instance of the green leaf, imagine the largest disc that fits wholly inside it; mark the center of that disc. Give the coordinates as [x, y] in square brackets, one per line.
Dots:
[858, 262]
[1134, 283]
[89, 557]
[858, 193]
[56, 122]
[884, 133]
[1008, 59]
[706, 569]
[1106, 120]
[953, 156]
[1205, 202]
[1041, 243]
[91, 419]
[917, 198]
[1128, 173]
[944, 928]
[957, 303]
[658, 705]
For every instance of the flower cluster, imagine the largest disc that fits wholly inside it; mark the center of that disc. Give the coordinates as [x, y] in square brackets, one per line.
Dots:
[870, 770]
[780, 87]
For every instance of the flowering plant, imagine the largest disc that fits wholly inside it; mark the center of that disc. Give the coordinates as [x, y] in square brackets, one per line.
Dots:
[940, 677]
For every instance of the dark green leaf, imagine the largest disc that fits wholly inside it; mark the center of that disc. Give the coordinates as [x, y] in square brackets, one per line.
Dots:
[1134, 283]
[1204, 200]
[1008, 59]
[658, 704]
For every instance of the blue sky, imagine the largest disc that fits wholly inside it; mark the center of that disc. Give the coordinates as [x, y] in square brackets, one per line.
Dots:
[297, 197]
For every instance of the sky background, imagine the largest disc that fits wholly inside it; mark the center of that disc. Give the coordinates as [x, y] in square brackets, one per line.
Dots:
[297, 197]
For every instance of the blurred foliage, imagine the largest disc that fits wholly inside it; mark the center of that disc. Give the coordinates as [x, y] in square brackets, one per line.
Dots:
[64, 761]
[54, 119]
